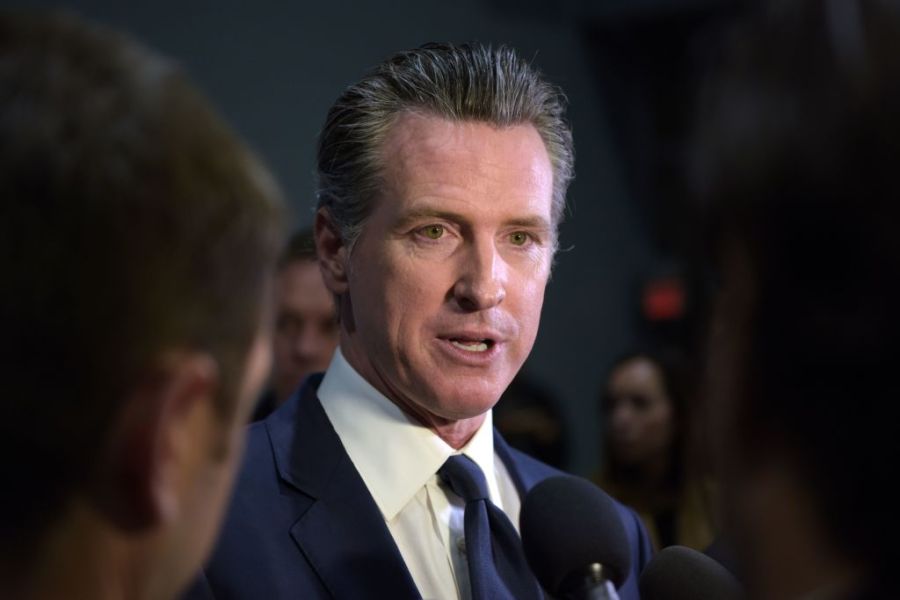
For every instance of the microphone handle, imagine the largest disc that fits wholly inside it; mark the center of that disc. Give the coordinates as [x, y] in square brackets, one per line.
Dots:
[602, 590]
[590, 583]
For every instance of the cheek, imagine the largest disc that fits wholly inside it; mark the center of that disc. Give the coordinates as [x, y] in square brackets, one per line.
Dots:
[259, 364]
[416, 292]
[386, 306]
[661, 427]
[527, 302]
[280, 346]
[213, 511]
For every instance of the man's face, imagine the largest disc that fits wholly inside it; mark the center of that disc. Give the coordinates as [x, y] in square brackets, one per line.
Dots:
[306, 332]
[446, 281]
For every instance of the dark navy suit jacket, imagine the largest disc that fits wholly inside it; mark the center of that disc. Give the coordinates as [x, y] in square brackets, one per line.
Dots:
[302, 523]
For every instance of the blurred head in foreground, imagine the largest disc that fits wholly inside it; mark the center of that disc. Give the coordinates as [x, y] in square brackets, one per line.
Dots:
[799, 155]
[137, 237]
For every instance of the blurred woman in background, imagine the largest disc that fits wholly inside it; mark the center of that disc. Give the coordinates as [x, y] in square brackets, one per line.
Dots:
[645, 462]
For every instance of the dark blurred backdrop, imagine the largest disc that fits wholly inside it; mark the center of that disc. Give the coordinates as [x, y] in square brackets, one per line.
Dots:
[628, 67]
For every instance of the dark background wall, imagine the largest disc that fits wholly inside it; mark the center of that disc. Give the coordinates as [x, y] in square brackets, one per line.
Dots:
[273, 68]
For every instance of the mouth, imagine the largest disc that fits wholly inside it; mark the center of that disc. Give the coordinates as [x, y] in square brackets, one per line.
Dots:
[476, 347]
[472, 345]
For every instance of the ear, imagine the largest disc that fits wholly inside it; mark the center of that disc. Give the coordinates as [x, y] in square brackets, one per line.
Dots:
[165, 431]
[331, 252]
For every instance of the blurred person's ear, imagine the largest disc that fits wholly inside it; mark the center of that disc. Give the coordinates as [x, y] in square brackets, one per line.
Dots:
[166, 434]
[332, 252]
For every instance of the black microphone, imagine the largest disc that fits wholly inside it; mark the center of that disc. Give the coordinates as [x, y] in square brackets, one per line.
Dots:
[574, 539]
[679, 573]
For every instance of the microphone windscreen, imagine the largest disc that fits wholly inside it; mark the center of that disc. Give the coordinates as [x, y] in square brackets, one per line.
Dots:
[679, 573]
[567, 523]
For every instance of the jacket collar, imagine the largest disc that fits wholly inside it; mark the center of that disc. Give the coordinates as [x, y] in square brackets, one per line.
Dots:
[341, 532]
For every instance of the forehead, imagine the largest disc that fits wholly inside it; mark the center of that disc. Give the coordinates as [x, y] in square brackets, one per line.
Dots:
[426, 157]
[300, 282]
[637, 372]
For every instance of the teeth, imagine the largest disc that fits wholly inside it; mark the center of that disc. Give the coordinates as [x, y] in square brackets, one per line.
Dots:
[473, 347]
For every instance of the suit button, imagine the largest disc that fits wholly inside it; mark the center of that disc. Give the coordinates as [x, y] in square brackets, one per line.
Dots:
[461, 545]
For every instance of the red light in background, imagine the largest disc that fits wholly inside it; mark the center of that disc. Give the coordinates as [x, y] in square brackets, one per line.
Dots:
[664, 299]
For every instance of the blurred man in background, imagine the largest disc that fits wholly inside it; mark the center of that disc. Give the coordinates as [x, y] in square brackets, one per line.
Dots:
[306, 328]
[137, 236]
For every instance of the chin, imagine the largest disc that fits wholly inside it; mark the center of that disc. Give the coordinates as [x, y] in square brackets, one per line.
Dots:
[464, 407]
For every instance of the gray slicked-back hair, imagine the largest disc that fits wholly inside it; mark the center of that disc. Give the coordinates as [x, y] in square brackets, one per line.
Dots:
[467, 82]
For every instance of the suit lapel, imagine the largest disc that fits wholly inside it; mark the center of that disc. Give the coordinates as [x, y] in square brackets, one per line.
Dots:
[342, 533]
[521, 479]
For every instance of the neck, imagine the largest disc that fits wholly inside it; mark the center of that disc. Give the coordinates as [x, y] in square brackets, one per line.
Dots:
[81, 558]
[656, 473]
[790, 554]
[456, 432]
[281, 394]
[652, 479]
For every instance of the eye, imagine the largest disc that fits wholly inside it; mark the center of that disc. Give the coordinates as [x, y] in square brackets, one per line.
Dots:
[433, 232]
[519, 238]
[641, 403]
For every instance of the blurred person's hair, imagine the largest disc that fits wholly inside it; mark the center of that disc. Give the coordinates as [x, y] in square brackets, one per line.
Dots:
[133, 222]
[468, 82]
[799, 155]
[301, 246]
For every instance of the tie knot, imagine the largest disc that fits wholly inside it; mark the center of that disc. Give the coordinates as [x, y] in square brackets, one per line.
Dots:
[464, 477]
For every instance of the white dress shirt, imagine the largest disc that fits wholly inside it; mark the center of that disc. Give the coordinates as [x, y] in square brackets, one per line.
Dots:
[398, 459]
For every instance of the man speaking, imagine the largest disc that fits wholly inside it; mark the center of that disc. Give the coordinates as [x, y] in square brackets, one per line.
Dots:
[442, 180]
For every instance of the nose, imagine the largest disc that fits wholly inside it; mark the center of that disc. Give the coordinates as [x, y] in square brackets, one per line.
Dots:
[307, 342]
[621, 419]
[482, 281]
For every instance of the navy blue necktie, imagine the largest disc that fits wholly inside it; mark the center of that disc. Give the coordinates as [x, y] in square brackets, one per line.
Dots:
[497, 565]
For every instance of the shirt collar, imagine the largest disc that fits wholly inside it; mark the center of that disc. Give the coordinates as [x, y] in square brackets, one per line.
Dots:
[394, 454]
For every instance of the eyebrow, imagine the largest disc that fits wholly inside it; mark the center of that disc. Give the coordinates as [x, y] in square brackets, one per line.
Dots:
[527, 222]
[534, 222]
